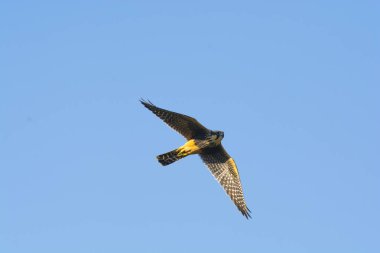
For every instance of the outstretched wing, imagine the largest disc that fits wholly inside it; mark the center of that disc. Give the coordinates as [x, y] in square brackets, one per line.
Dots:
[224, 169]
[185, 125]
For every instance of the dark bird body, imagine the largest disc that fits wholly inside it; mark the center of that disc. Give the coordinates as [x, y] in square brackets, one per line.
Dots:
[207, 144]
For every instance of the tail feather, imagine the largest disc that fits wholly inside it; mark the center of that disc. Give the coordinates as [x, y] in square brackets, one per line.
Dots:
[169, 157]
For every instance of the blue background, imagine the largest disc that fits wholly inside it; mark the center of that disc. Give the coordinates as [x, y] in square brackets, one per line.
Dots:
[294, 85]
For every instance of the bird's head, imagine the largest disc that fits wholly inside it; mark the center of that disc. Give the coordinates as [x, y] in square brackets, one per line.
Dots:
[219, 134]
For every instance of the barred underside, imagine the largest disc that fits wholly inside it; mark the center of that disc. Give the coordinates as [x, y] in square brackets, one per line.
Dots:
[224, 169]
[183, 124]
[169, 157]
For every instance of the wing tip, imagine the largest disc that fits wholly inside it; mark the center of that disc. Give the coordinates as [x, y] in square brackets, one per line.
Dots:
[146, 103]
[247, 213]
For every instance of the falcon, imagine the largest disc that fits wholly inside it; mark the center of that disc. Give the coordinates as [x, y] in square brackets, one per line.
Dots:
[207, 144]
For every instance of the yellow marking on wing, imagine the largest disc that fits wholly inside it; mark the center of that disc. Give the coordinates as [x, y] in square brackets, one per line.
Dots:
[232, 163]
[188, 148]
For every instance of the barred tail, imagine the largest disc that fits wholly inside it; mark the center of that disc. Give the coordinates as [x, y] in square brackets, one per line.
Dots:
[170, 157]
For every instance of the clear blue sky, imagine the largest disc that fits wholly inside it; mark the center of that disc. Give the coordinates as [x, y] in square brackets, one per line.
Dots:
[294, 85]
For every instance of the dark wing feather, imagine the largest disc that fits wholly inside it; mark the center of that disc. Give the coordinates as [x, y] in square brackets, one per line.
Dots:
[185, 125]
[224, 169]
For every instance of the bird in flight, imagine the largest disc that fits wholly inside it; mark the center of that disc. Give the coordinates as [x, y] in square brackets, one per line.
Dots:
[207, 144]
